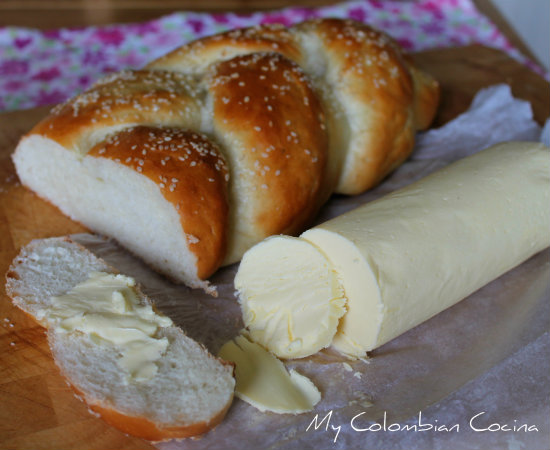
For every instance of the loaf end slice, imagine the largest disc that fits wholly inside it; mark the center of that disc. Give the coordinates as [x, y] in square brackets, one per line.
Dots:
[157, 206]
[188, 395]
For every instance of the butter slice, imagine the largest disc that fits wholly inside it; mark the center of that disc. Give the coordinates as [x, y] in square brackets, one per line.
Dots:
[290, 296]
[108, 308]
[263, 381]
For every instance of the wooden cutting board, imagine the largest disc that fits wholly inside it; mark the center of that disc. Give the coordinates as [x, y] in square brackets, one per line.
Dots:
[37, 409]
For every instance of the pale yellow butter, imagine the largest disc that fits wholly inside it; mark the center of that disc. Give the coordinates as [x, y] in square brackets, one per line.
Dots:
[264, 382]
[362, 290]
[107, 308]
[409, 255]
[419, 250]
[290, 296]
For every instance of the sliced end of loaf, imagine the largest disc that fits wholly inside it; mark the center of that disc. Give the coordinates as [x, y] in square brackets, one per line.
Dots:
[113, 200]
[189, 394]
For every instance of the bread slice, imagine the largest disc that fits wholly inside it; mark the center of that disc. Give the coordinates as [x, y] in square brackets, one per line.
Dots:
[191, 390]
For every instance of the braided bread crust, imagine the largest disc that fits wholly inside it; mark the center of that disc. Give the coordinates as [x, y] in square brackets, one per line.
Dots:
[229, 139]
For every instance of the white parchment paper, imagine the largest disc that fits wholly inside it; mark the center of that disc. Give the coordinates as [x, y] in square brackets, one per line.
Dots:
[488, 354]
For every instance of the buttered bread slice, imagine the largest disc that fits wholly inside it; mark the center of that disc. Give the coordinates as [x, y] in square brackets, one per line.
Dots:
[129, 363]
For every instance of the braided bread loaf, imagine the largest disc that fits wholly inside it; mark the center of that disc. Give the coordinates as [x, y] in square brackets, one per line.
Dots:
[229, 139]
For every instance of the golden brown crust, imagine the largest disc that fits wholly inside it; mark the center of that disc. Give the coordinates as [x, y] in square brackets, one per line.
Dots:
[375, 82]
[151, 431]
[426, 97]
[367, 101]
[272, 127]
[191, 174]
[121, 100]
[375, 90]
[199, 54]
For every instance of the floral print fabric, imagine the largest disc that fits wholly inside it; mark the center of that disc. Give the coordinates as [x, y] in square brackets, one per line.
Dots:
[45, 67]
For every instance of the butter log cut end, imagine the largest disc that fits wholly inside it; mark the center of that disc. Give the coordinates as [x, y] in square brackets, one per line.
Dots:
[290, 296]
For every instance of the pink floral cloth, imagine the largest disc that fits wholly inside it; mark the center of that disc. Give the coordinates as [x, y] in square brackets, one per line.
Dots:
[45, 67]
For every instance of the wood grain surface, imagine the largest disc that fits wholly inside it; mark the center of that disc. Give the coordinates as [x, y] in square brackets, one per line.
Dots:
[37, 409]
